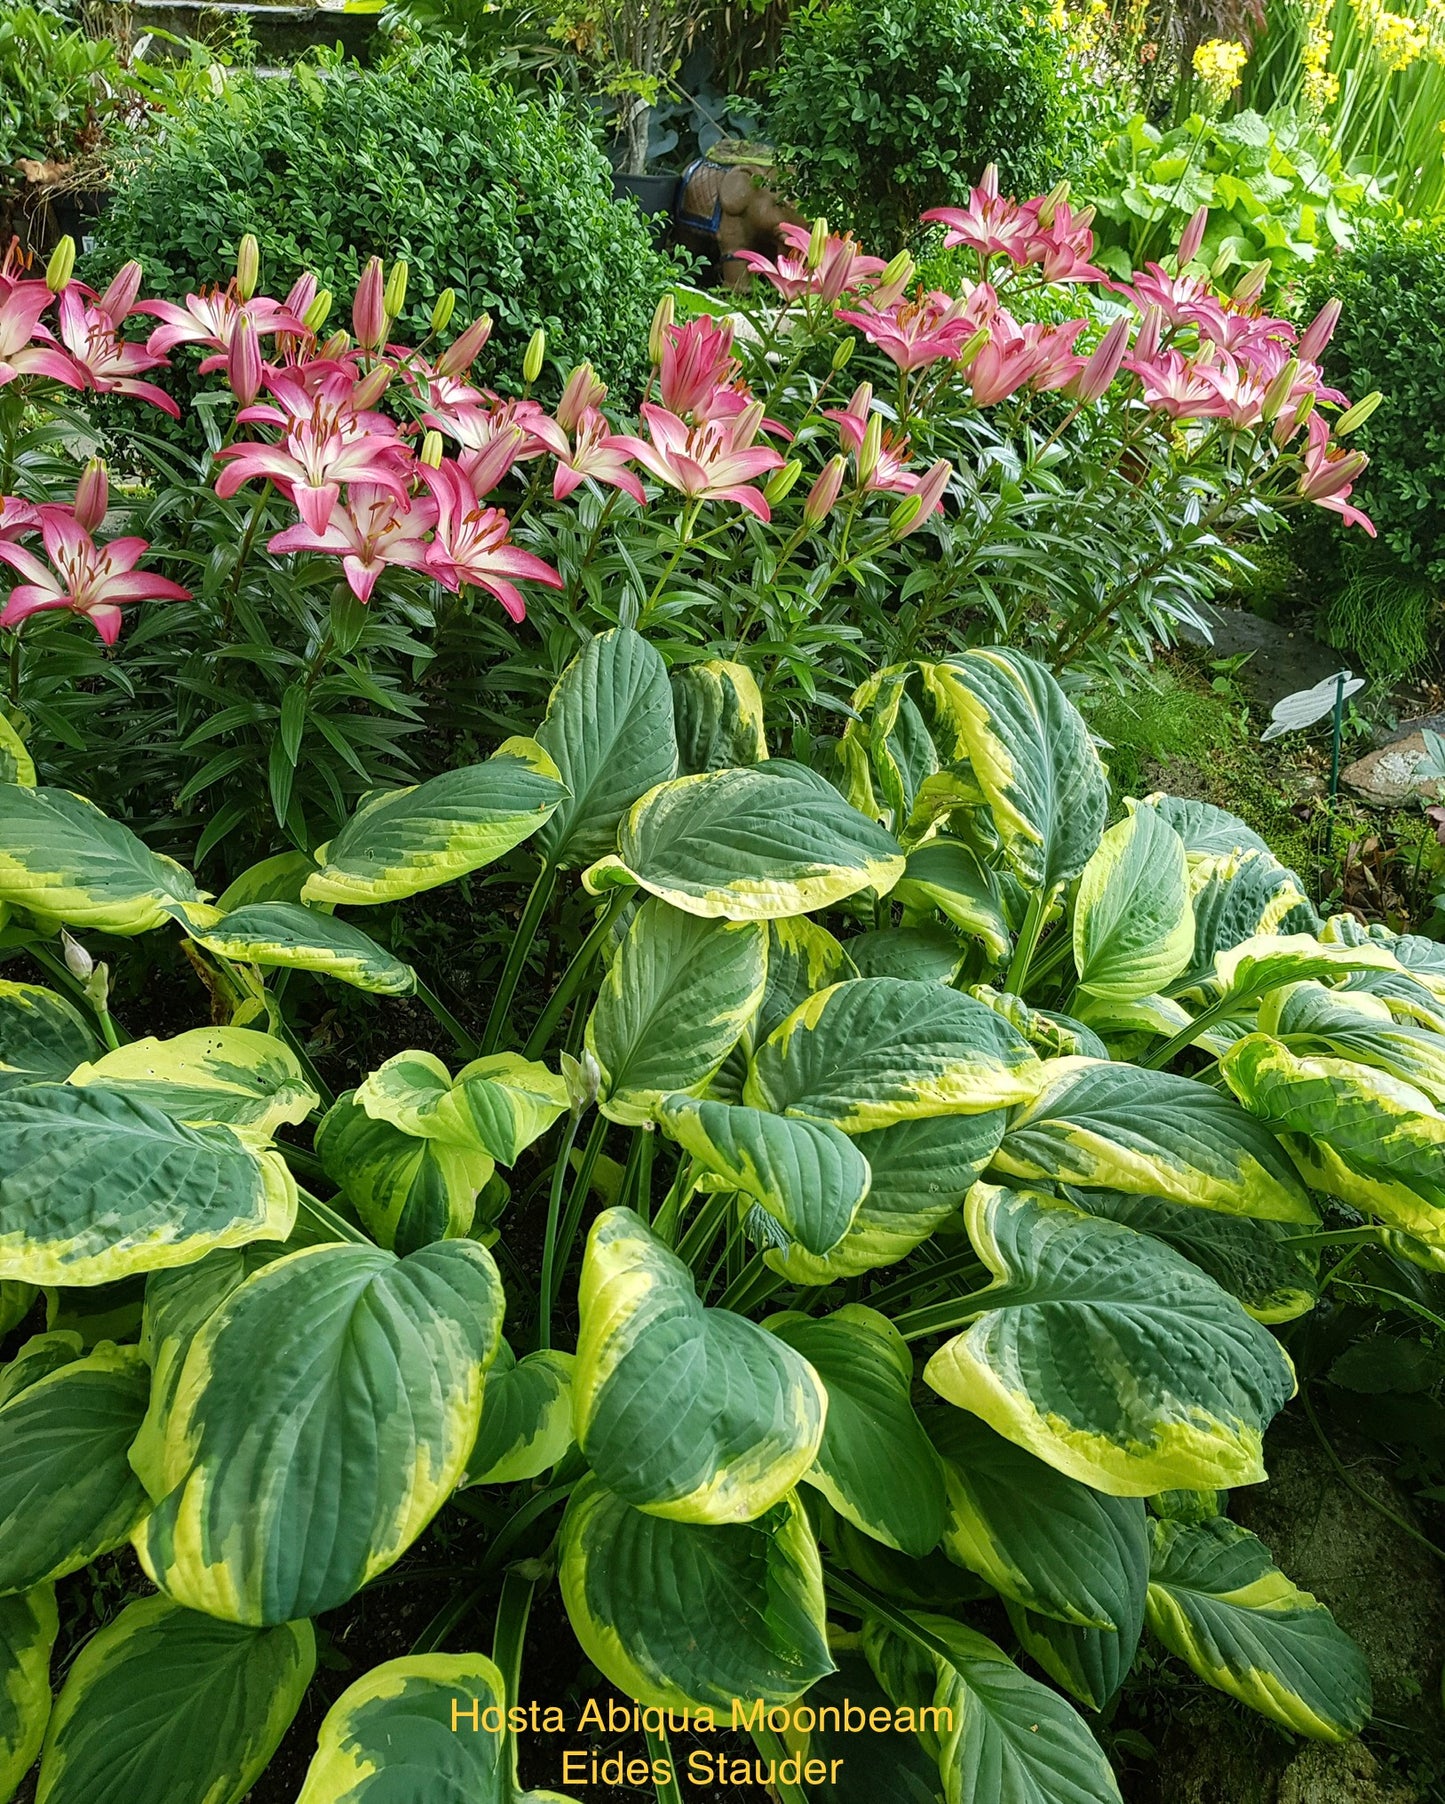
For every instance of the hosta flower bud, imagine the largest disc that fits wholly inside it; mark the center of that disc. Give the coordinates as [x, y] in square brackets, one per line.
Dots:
[248, 266]
[817, 242]
[372, 387]
[536, 351]
[317, 314]
[583, 1078]
[871, 448]
[1358, 414]
[823, 496]
[1251, 283]
[1279, 392]
[92, 496]
[443, 308]
[1191, 238]
[78, 961]
[368, 310]
[61, 266]
[662, 317]
[393, 296]
[1319, 332]
[431, 449]
[842, 351]
[782, 482]
[243, 365]
[463, 351]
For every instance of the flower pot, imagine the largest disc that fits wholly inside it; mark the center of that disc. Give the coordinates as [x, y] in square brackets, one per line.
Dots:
[654, 194]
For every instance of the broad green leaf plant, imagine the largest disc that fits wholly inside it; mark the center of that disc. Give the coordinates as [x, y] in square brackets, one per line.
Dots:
[923, 1169]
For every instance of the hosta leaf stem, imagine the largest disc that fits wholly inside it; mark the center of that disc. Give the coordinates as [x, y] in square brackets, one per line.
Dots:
[522, 940]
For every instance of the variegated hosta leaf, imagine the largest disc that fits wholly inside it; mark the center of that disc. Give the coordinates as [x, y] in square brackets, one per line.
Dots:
[37, 1358]
[16, 764]
[1352, 1024]
[1370, 1139]
[284, 1497]
[403, 841]
[64, 860]
[1003, 1738]
[67, 1493]
[676, 998]
[286, 934]
[407, 1189]
[277, 879]
[878, 1050]
[526, 1417]
[28, 1627]
[1057, 1546]
[683, 1616]
[875, 1464]
[231, 1075]
[609, 731]
[497, 1105]
[1034, 759]
[1218, 1601]
[394, 1736]
[174, 1707]
[807, 1175]
[927, 954]
[718, 715]
[43, 1037]
[1266, 1264]
[96, 1184]
[1120, 1127]
[1108, 1354]
[1254, 967]
[867, 1767]
[751, 844]
[904, 758]
[945, 874]
[16, 1300]
[1402, 993]
[1090, 1664]
[691, 1413]
[803, 958]
[1133, 921]
[1236, 897]
[1053, 1036]
[1207, 831]
[920, 1173]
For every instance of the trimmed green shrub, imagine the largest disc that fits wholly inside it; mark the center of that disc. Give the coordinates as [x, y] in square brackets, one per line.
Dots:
[886, 107]
[506, 200]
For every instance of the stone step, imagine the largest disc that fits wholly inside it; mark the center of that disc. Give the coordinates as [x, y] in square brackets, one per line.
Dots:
[282, 33]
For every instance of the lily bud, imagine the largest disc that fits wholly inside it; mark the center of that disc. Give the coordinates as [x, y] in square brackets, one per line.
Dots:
[368, 310]
[119, 297]
[747, 425]
[782, 482]
[662, 317]
[1220, 264]
[372, 387]
[1049, 205]
[1146, 345]
[1082, 221]
[443, 308]
[823, 496]
[900, 269]
[842, 351]
[917, 509]
[337, 345]
[248, 266]
[1319, 332]
[1191, 238]
[871, 449]
[583, 390]
[92, 496]
[536, 351]
[317, 314]
[972, 346]
[243, 366]
[61, 266]
[431, 450]
[1279, 391]
[1094, 379]
[78, 961]
[394, 294]
[817, 242]
[905, 517]
[463, 351]
[1358, 414]
[1251, 283]
[303, 293]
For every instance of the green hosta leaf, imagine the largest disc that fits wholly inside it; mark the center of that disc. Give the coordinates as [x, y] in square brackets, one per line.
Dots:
[1207, 831]
[64, 860]
[1011, 1739]
[1109, 1355]
[686, 1412]
[277, 879]
[609, 730]
[408, 1190]
[1370, 1139]
[42, 1036]
[674, 1003]
[403, 841]
[285, 1497]
[945, 874]
[67, 1493]
[875, 1464]
[526, 1417]
[682, 1616]
[28, 1627]
[1133, 922]
[1352, 1024]
[1119, 1127]
[174, 1707]
[718, 713]
[920, 1173]
[392, 1736]
[16, 764]
[230, 1075]
[286, 934]
[878, 1050]
[752, 844]
[1263, 1263]
[866, 1766]
[928, 954]
[806, 1174]
[1055, 1545]
[1218, 1601]
[16, 1301]
[37, 1358]
[96, 1184]
[904, 757]
[497, 1105]
[803, 958]
[1032, 755]
[1090, 1664]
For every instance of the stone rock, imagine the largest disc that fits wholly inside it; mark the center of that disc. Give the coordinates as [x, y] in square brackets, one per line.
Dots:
[1214, 1754]
[1388, 777]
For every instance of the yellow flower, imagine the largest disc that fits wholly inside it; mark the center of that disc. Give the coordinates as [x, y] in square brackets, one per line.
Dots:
[1399, 40]
[1219, 65]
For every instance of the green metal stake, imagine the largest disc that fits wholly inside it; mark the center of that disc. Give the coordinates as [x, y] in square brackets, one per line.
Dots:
[1335, 740]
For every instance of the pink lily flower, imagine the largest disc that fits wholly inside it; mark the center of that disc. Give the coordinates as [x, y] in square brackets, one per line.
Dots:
[600, 453]
[697, 361]
[108, 363]
[17, 517]
[1241, 392]
[930, 489]
[991, 224]
[1175, 386]
[472, 544]
[375, 528]
[845, 266]
[20, 311]
[1062, 251]
[1174, 296]
[917, 333]
[1320, 331]
[311, 462]
[890, 475]
[368, 308]
[211, 319]
[90, 579]
[716, 461]
[474, 427]
[852, 420]
[464, 350]
[119, 300]
[486, 468]
[1328, 476]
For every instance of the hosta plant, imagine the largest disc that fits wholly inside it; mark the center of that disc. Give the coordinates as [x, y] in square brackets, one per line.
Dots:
[926, 1176]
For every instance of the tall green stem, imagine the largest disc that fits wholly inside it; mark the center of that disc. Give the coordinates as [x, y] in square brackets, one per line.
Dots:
[508, 1639]
[574, 976]
[1018, 971]
[549, 1245]
[541, 895]
[466, 1045]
